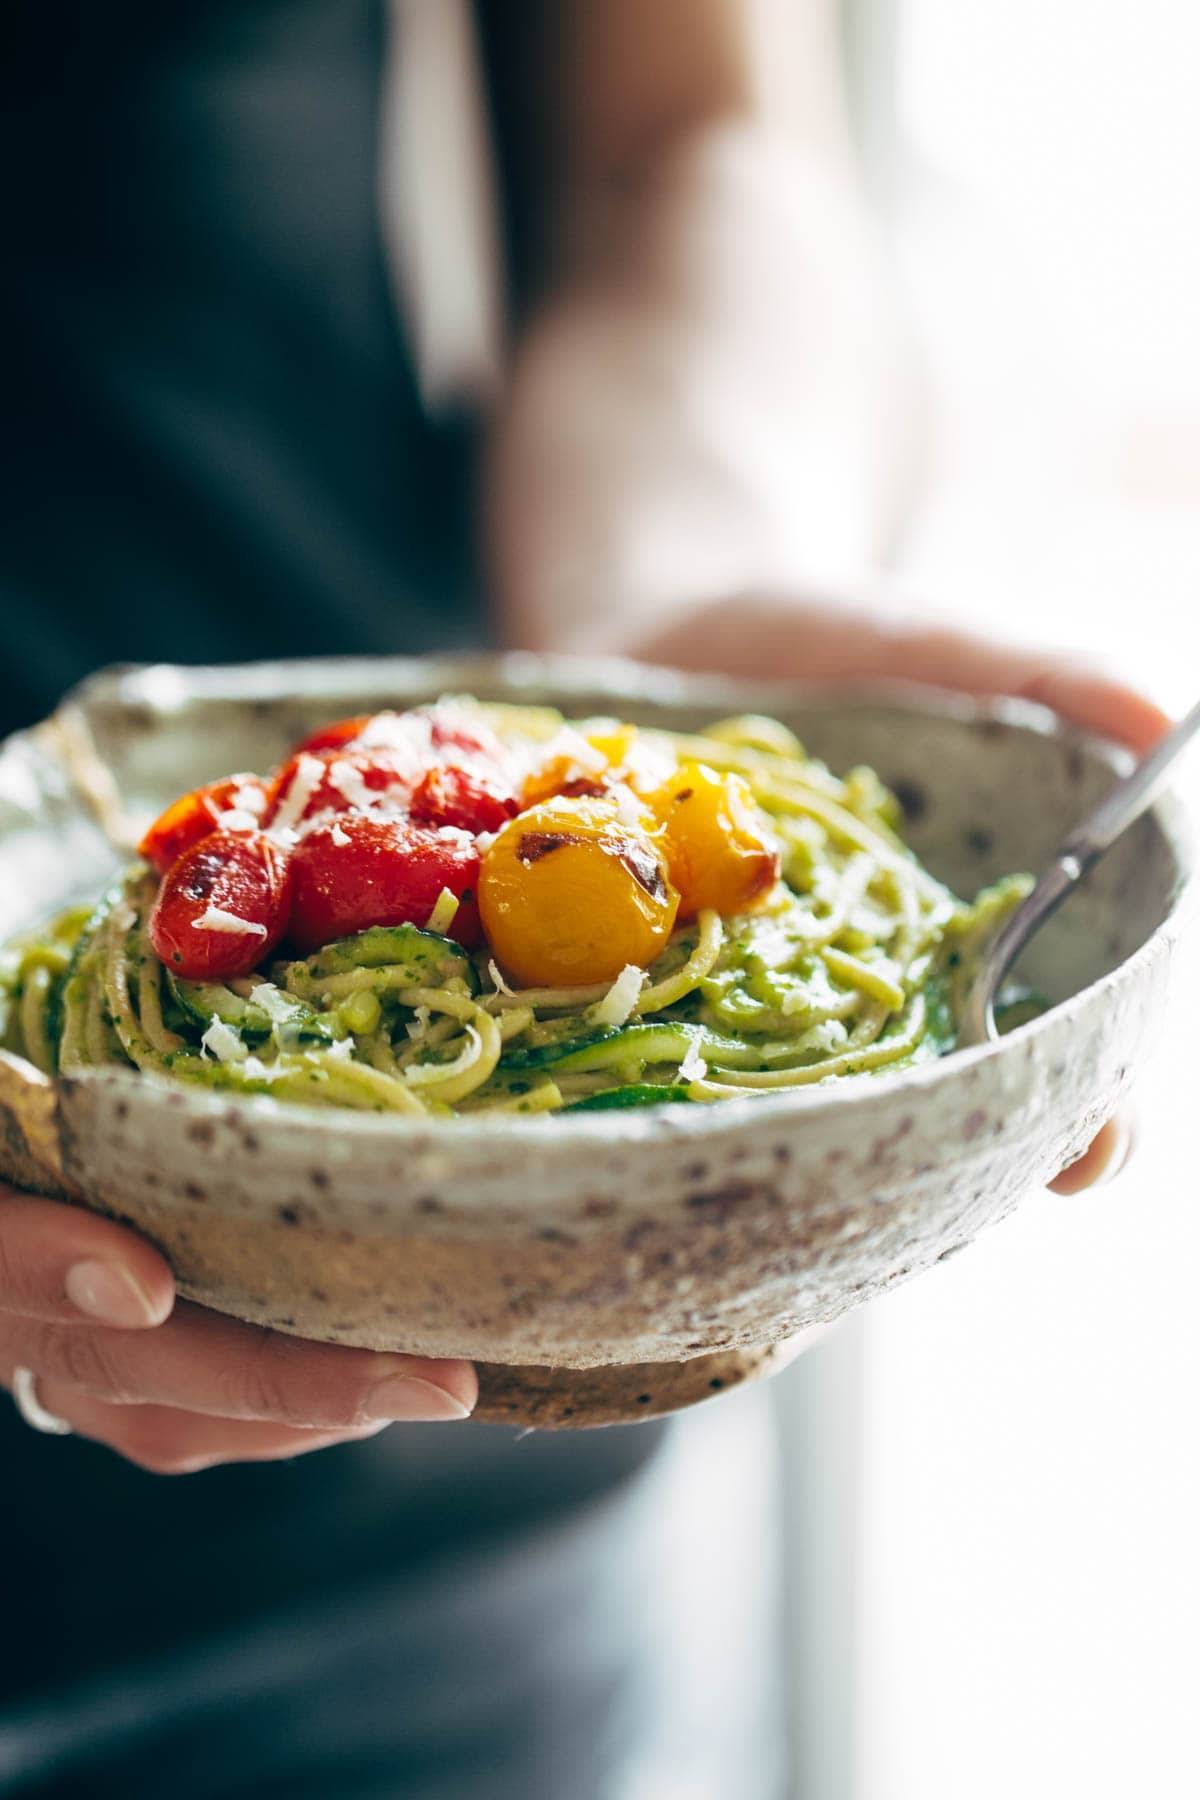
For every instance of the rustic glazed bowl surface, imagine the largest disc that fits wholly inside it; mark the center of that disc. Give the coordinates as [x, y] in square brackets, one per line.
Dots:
[661, 1253]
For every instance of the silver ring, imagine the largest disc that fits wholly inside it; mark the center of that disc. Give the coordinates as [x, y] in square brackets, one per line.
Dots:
[24, 1392]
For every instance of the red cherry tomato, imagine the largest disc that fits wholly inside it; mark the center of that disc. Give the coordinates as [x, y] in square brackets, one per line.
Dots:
[451, 730]
[350, 780]
[229, 879]
[332, 737]
[192, 817]
[360, 870]
[463, 797]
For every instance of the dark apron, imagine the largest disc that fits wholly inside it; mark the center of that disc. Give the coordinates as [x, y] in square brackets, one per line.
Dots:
[216, 452]
[215, 445]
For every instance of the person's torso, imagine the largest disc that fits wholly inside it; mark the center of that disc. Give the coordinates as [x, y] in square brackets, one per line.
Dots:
[217, 452]
[216, 449]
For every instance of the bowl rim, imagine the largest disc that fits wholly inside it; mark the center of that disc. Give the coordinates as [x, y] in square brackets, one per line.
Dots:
[168, 687]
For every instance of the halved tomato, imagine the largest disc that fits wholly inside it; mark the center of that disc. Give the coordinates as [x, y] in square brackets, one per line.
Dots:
[348, 780]
[360, 870]
[222, 906]
[464, 797]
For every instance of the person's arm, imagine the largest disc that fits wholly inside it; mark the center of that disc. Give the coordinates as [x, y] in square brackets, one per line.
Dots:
[712, 388]
[591, 98]
[714, 399]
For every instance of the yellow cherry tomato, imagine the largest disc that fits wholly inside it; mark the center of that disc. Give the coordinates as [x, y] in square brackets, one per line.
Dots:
[614, 741]
[719, 848]
[581, 766]
[569, 893]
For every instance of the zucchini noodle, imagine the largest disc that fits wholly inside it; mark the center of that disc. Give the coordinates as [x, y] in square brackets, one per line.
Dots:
[699, 964]
[32, 1018]
[854, 963]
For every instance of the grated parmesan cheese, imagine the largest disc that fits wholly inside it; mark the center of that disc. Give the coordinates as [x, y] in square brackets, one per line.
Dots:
[222, 1042]
[445, 911]
[418, 1025]
[338, 836]
[693, 1067]
[380, 728]
[283, 1013]
[301, 788]
[410, 733]
[251, 798]
[630, 809]
[621, 997]
[215, 918]
[272, 1001]
[350, 785]
[236, 819]
[421, 1074]
[501, 986]
[566, 745]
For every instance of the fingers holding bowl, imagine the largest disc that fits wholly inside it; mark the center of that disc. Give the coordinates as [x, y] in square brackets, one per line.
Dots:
[165, 1440]
[204, 1363]
[1103, 1160]
[90, 1336]
[61, 1264]
[840, 640]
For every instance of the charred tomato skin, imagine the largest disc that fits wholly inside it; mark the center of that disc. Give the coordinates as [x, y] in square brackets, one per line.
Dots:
[358, 871]
[571, 893]
[243, 874]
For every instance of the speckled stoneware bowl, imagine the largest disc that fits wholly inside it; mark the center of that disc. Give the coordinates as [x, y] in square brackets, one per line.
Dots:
[601, 1266]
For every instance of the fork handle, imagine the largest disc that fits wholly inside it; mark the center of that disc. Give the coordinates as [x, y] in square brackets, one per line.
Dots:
[1095, 834]
[1129, 799]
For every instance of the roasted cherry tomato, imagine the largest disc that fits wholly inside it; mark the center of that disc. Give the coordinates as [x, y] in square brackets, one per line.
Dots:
[572, 767]
[358, 870]
[223, 906]
[464, 797]
[571, 892]
[332, 737]
[193, 816]
[439, 727]
[580, 765]
[382, 774]
[452, 731]
[719, 847]
[348, 780]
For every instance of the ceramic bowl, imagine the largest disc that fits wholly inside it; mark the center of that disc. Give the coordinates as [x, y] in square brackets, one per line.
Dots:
[599, 1266]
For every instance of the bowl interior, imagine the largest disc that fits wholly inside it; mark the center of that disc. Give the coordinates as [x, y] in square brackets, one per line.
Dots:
[987, 789]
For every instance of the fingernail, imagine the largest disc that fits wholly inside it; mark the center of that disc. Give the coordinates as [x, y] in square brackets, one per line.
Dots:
[411, 1397]
[1118, 1156]
[107, 1292]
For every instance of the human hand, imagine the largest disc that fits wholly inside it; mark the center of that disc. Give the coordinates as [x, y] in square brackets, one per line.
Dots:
[89, 1308]
[732, 407]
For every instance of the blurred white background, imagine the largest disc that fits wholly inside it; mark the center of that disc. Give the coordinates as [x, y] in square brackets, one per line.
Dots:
[1048, 190]
[996, 1570]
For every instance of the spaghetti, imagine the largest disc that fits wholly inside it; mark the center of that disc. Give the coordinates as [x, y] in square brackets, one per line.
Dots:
[849, 963]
